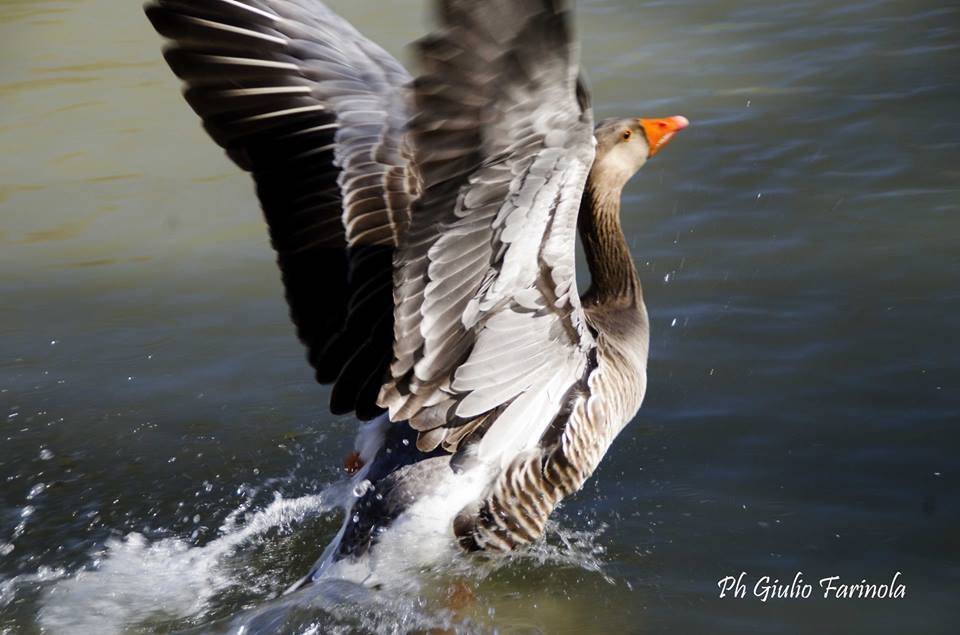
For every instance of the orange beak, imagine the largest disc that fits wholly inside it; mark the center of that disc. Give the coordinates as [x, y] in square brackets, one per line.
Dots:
[660, 131]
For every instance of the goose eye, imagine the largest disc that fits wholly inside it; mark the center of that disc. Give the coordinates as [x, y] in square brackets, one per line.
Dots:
[627, 134]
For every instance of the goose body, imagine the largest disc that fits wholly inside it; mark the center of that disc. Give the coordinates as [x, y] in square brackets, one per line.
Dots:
[426, 233]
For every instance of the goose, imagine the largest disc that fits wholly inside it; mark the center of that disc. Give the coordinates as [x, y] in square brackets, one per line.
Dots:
[425, 229]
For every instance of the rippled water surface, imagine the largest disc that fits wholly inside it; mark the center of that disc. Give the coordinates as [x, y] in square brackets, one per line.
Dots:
[166, 459]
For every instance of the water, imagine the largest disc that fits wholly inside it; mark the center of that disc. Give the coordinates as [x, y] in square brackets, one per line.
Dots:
[166, 458]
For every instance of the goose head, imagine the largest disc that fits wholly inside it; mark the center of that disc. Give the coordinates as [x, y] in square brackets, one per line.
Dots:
[625, 145]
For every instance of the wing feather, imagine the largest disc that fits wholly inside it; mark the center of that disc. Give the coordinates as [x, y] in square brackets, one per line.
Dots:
[503, 142]
[317, 113]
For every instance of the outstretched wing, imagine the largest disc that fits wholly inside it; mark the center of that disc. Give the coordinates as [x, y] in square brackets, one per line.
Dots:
[316, 112]
[490, 339]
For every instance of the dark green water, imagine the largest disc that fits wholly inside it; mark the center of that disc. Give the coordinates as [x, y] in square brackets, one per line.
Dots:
[162, 444]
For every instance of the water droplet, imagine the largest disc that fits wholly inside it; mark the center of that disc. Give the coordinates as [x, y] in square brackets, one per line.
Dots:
[362, 488]
[53, 342]
[45, 454]
[356, 518]
[666, 279]
[406, 441]
[674, 322]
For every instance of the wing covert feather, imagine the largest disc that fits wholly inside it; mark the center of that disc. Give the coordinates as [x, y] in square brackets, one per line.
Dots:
[503, 142]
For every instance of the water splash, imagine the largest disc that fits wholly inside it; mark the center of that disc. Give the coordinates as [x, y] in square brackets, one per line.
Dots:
[138, 584]
[133, 579]
[572, 548]
[14, 587]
